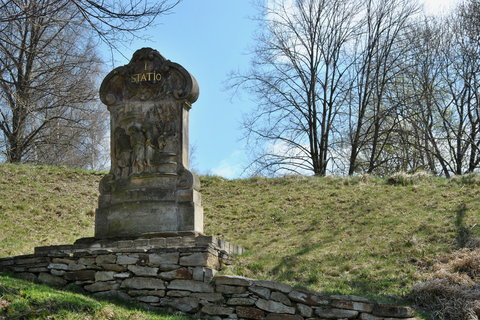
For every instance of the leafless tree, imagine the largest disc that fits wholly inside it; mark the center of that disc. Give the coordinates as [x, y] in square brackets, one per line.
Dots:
[49, 70]
[298, 77]
[378, 51]
[440, 94]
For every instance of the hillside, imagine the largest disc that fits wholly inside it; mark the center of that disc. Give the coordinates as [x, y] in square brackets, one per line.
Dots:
[360, 235]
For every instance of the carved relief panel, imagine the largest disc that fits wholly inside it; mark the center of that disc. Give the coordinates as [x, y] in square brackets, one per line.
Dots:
[147, 99]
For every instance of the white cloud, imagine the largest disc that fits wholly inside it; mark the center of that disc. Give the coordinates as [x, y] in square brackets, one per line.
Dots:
[232, 166]
[439, 6]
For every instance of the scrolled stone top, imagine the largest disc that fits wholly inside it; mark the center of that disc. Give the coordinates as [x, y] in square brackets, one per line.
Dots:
[149, 77]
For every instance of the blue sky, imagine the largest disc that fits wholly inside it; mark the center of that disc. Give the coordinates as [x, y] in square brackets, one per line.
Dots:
[210, 38]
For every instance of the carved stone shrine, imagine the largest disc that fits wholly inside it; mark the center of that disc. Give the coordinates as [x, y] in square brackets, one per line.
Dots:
[149, 189]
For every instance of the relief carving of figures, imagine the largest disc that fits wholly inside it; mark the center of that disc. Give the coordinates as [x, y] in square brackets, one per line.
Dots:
[123, 151]
[150, 148]
[137, 140]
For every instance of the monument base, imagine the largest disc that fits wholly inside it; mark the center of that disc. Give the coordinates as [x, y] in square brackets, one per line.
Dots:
[176, 273]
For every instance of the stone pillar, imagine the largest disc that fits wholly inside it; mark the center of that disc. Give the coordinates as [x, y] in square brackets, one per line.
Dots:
[149, 189]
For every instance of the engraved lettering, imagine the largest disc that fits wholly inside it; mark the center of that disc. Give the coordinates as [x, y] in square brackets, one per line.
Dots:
[146, 77]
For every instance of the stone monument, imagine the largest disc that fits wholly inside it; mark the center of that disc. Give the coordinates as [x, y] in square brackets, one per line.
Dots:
[149, 190]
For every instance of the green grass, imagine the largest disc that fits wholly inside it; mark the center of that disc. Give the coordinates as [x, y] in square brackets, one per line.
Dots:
[359, 235]
[26, 301]
[43, 205]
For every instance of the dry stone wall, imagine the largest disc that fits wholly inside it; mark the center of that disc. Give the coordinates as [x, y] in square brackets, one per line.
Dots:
[179, 274]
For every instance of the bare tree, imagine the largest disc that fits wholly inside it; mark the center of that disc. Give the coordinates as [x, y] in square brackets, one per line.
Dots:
[297, 75]
[49, 69]
[379, 49]
[440, 94]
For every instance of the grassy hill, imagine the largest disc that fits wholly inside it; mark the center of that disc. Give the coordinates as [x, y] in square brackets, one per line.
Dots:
[360, 235]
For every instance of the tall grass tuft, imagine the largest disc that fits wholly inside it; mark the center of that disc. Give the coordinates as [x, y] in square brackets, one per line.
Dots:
[453, 292]
[407, 179]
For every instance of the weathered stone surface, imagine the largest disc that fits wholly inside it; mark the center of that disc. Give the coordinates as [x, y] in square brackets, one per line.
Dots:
[350, 297]
[185, 304]
[59, 266]
[35, 260]
[241, 301]
[27, 276]
[190, 285]
[367, 316]
[81, 275]
[123, 259]
[157, 242]
[180, 273]
[143, 283]
[304, 310]
[278, 316]
[86, 260]
[106, 259]
[58, 273]
[17, 269]
[261, 292]
[230, 289]
[307, 298]
[40, 269]
[148, 299]
[203, 259]
[352, 305]
[156, 293]
[51, 279]
[273, 306]
[283, 287]
[164, 258]
[169, 267]
[197, 273]
[250, 313]
[102, 286]
[143, 271]
[232, 281]
[214, 309]
[211, 297]
[113, 267]
[333, 313]
[178, 293]
[6, 262]
[122, 275]
[280, 297]
[208, 274]
[104, 275]
[76, 266]
[386, 310]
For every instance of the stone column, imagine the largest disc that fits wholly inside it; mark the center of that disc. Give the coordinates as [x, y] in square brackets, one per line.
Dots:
[149, 189]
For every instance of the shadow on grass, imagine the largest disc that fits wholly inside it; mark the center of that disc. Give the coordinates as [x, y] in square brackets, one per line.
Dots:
[360, 283]
[463, 234]
[24, 300]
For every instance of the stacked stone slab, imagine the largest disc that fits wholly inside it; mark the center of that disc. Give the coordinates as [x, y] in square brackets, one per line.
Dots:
[179, 274]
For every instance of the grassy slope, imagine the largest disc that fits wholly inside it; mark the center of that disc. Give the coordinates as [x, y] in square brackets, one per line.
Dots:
[41, 205]
[23, 300]
[356, 235]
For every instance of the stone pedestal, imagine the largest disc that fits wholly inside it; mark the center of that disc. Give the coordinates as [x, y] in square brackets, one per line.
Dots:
[149, 188]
